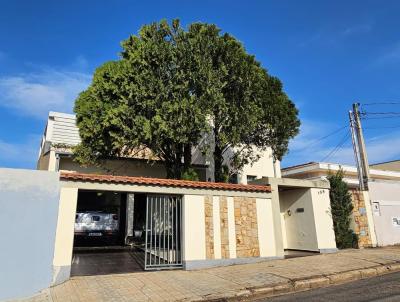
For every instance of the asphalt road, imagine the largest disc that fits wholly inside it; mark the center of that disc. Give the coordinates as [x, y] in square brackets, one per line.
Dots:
[382, 288]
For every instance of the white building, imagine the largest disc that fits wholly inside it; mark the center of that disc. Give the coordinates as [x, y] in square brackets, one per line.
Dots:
[376, 211]
[61, 133]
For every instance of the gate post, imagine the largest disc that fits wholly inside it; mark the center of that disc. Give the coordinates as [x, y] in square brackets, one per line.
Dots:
[64, 235]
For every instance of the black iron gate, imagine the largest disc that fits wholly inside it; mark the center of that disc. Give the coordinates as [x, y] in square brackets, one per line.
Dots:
[163, 232]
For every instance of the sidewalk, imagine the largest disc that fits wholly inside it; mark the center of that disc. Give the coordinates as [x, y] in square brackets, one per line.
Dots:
[232, 282]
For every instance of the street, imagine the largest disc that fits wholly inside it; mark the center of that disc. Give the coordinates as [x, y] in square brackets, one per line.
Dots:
[382, 288]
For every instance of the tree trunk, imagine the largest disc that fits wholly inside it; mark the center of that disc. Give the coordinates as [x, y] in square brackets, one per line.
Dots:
[218, 161]
[187, 156]
[173, 165]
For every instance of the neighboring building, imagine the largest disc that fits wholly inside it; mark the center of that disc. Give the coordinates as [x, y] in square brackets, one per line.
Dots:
[61, 134]
[393, 165]
[377, 211]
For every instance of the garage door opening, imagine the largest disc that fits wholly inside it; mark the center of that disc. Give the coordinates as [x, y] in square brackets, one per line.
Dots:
[100, 235]
[124, 232]
[100, 219]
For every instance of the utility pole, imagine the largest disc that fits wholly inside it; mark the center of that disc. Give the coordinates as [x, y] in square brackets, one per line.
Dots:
[356, 152]
[362, 153]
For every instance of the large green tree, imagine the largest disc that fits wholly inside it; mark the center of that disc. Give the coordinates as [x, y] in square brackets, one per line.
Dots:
[171, 87]
[248, 108]
[143, 100]
[341, 208]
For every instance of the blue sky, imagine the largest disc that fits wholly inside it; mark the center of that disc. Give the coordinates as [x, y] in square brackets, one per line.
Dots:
[327, 53]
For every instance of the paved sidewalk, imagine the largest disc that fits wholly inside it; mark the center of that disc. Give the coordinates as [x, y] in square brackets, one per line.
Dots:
[232, 282]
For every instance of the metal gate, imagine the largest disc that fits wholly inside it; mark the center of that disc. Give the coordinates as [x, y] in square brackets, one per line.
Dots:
[163, 232]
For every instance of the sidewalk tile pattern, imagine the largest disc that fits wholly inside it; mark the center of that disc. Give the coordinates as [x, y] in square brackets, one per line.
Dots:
[218, 282]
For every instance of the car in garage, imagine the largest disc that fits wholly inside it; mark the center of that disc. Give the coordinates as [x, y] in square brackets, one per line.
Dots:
[93, 224]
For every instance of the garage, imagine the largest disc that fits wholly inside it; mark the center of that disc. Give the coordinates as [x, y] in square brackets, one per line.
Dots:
[118, 232]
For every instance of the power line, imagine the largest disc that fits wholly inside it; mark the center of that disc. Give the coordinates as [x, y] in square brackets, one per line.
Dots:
[321, 138]
[379, 117]
[385, 127]
[381, 103]
[338, 146]
[381, 113]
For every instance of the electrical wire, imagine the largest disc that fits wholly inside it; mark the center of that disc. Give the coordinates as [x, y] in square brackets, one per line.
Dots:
[381, 103]
[385, 127]
[321, 138]
[338, 146]
[379, 117]
[380, 113]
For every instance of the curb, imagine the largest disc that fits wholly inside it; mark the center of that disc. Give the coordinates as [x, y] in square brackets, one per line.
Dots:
[298, 285]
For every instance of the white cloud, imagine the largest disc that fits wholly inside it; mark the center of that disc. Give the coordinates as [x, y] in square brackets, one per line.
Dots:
[35, 94]
[391, 55]
[80, 63]
[307, 148]
[357, 29]
[335, 36]
[20, 155]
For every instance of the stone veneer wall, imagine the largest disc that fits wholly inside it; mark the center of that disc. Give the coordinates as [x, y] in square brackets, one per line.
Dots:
[246, 228]
[223, 206]
[208, 212]
[360, 219]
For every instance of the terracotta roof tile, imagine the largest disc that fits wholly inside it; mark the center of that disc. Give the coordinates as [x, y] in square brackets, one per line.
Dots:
[163, 182]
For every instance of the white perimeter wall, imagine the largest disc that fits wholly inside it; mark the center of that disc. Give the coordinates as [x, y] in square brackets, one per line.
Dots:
[385, 198]
[28, 217]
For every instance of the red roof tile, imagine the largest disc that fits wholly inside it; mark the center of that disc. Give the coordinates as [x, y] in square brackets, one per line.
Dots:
[163, 182]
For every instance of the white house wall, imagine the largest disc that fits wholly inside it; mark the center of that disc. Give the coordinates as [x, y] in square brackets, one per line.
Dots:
[385, 198]
[323, 219]
[28, 218]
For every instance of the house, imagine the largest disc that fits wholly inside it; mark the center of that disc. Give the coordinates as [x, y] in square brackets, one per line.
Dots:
[61, 134]
[376, 213]
[173, 224]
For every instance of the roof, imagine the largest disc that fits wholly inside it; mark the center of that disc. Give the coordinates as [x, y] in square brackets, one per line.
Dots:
[324, 167]
[386, 162]
[163, 182]
[299, 166]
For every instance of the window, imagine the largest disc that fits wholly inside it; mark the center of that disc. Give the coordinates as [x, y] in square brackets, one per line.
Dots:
[233, 179]
[250, 178]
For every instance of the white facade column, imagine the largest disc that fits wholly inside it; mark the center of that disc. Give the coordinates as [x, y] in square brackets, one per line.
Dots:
[231, 227]
[130, 203]
[52, 161]
[64, 235]
[217, 227]
[323, 220]
[194, 233]
[268, 242]
[277, 221]
[371, 222]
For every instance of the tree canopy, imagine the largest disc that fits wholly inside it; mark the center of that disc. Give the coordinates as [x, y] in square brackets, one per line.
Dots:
[172, 86]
